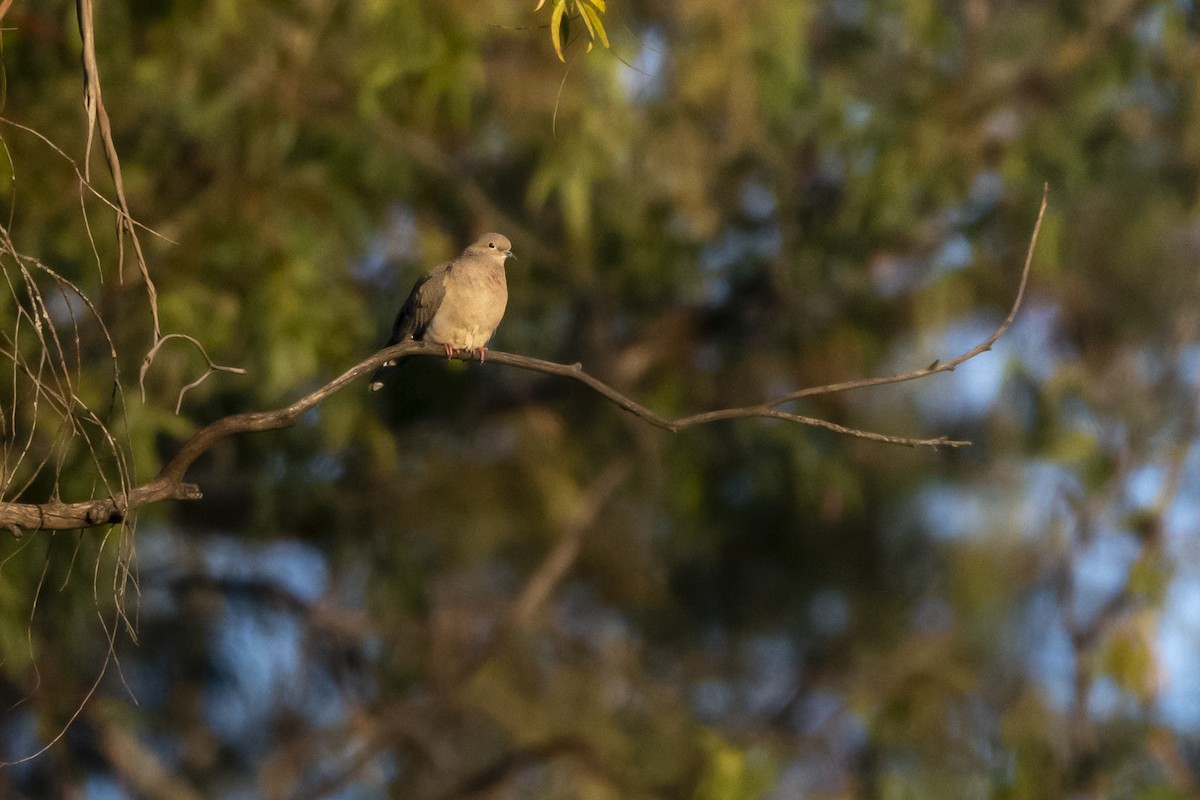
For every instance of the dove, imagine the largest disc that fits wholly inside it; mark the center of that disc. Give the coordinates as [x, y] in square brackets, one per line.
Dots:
[457, 304]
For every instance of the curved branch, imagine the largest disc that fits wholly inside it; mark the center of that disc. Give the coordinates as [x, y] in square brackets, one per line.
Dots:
[170, 485]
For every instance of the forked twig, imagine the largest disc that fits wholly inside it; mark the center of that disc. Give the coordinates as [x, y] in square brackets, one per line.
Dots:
[212, 366]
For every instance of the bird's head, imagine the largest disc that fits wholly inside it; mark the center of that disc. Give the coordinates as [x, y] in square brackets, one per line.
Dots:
[491, 244]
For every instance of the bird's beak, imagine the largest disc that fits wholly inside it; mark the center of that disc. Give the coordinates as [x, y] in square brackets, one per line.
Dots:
[509, 254]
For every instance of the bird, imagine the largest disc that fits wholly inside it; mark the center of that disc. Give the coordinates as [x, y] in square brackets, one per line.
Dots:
[457, 304]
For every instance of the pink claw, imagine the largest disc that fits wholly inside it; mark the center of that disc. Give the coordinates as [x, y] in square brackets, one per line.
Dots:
[449, 351]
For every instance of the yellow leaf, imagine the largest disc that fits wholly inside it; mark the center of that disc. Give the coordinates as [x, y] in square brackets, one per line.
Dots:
[539, 5]
[599, 4]
[587, 22]
[595, 26]
[557, 22]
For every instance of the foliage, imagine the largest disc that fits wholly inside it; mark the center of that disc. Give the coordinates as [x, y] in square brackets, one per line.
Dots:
[586, 11]
[483, 580]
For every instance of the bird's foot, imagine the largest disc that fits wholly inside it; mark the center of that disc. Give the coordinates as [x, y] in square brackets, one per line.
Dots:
[449, 351]
[482, 351]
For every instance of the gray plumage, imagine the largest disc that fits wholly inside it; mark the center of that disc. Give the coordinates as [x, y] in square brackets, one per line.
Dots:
[457, 304]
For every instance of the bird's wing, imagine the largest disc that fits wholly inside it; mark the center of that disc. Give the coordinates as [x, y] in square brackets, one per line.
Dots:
[422, 303]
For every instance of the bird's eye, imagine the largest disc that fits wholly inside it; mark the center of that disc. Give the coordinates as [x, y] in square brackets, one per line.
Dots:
[492, 245]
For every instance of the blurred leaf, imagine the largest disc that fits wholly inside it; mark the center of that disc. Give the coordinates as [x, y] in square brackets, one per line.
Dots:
[731, 773]
[1129, 657]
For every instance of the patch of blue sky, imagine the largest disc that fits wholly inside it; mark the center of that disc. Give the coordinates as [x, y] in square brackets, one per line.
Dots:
[712, 699]
[263, 657]
[956, 253]
[956, 511]
[736, 246]
[260, 658]
[19, 738]
[397, 241]
[1036, 338]
[732, 248]
[933, 614]
[1149, 27]
[296, 568]
[1181, 522]
[948, 511]
[771, 667]
[823, 714]
[971, 390]
[642, 80]
[1181, 517]
[1044, 484]
[1144, 484]
[1101, 570]
[892, 275]
[1178, 704]
[582, 615]
[1150, 364]
[987, 190]
[851, 13]
[324, 467]
[758, 201]
[66, 308]
[829, 612]
[376, 771]
[857, 113]
[148, 680]
[103, 787]
[160, 547]
[1188, 365]
[1108, 700]
[319, 698]
[1050, 657]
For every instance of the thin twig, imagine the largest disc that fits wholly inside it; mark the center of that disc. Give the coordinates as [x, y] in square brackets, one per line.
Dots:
[936, 366]
[82, 179]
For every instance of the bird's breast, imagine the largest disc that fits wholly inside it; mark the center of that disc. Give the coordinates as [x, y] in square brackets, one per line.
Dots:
[471, 309]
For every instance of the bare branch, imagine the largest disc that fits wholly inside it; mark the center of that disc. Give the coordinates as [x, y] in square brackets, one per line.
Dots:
[487, 780]
[550, 573]
[170, 485]
[570, 541]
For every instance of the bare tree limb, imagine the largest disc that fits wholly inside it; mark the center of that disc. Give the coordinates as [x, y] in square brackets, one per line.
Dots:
[170, 485]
